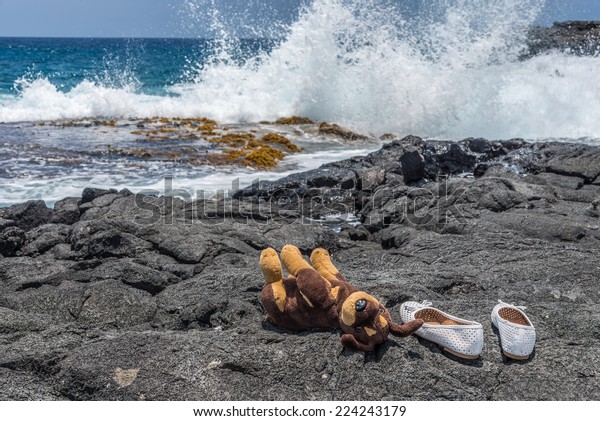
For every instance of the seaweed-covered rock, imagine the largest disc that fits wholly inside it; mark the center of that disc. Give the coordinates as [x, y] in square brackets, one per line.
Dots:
[340, 132]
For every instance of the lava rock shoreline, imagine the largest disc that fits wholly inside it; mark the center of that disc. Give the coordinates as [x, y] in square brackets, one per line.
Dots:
[575, 37]
[114, 296]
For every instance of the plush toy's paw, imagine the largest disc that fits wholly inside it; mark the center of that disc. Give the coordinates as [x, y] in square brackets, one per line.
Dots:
[406, 329]
[293, 260]
[270, 266]
[273, 295]
[321, 261]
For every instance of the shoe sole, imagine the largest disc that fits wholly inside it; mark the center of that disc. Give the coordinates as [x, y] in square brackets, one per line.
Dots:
[517, 357]
[459, 355]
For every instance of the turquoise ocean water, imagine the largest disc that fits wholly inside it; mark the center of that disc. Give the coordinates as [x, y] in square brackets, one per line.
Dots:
[149, 66]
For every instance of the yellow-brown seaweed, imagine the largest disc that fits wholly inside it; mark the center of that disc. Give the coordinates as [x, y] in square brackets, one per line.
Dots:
[277, 139]
[294, 120]
[265, 157]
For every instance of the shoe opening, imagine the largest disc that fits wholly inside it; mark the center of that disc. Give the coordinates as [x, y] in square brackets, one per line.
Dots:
[513, 315]
[434, 317]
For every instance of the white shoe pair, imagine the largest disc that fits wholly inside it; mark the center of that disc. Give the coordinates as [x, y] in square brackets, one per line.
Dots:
[464, 338]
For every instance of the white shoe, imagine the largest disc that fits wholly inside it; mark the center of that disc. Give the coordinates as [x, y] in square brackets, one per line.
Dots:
[460, 337]
[517, 334]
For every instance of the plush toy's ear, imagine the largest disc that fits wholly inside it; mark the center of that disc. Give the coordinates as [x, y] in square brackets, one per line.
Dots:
[405, 329]
[350, 342]
[321, 261]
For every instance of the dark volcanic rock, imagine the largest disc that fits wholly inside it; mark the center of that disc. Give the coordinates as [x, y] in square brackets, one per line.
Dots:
[29, 215]
[41, 239]
[570, 183]
[413, 166]
[575, 37]
[23, 386]
[100, 300]
[594, 209]
[111, 243]
[91, 194]
[66, 211]
[11, 240]
[5, 223]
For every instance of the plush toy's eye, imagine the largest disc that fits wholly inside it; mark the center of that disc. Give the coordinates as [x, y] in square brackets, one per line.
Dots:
[359, 329]
[361, 305]
[381, 310]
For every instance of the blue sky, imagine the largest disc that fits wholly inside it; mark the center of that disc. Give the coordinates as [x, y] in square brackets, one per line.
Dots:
[168, 18]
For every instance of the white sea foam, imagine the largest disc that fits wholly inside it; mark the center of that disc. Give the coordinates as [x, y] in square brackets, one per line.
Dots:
[196, 182]
[450, 72]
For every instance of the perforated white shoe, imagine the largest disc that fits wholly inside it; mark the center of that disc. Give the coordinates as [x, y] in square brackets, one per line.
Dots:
[517, 334]
[460, 337]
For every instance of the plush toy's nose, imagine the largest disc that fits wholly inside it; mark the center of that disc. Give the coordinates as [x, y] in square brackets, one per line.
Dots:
[368, 315]
[373, 310]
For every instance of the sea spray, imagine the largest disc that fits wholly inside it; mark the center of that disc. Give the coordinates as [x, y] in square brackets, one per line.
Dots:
[450, 71]
[447, 69]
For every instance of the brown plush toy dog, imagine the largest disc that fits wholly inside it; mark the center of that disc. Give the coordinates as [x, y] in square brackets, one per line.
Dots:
[322, 298]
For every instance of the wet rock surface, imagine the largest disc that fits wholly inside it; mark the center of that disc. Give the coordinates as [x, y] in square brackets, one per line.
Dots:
[110, 297]
[575, 37]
